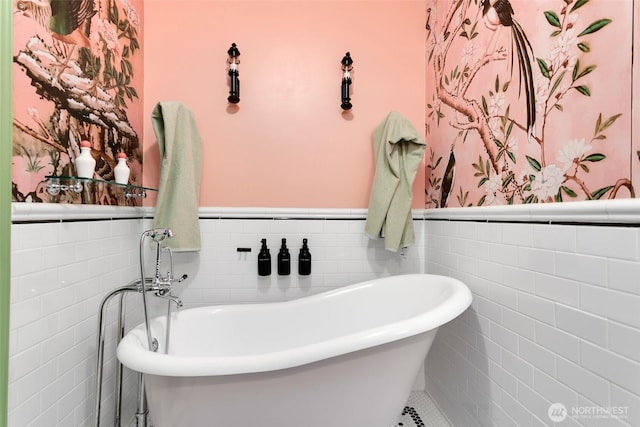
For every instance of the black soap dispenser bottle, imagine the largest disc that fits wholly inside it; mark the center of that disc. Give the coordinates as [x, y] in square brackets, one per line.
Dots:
[264, 260]
[284, 260]
[304, 260]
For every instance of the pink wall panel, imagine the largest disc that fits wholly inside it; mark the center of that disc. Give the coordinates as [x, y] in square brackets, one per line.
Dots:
[80, 79]
[288, 143]
[635, 143]
[581, 69]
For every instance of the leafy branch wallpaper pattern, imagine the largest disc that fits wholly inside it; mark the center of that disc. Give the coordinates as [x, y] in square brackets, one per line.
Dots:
[528, 102]
[78, 67]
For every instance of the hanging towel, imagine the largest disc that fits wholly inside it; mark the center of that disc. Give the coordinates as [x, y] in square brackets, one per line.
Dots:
[181, 163]
[398, 150]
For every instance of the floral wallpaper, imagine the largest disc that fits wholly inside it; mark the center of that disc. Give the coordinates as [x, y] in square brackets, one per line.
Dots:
[528, 102]
[77, 76]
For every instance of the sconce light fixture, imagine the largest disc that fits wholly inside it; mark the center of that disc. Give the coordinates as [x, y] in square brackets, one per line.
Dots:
[346, 81]
[234, 91]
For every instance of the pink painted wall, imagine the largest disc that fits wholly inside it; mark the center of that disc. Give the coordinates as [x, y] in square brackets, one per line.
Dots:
[635, 120]
[288, 143]
[102, 57]
[582, 71]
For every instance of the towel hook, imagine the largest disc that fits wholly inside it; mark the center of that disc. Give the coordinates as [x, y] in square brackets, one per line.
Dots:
[234, 92]
[346, 81]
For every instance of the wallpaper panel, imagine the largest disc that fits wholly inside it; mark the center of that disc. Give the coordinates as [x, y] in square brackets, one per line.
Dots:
[77, 76]
[528, 101]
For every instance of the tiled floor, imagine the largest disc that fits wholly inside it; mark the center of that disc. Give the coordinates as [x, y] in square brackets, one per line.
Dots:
[421, 412]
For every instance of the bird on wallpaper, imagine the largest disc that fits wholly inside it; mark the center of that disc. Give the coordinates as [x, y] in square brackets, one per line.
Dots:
[500, 14]
[68, 20]
[447, 179]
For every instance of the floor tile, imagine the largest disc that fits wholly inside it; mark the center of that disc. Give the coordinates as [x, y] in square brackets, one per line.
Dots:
[421, 411]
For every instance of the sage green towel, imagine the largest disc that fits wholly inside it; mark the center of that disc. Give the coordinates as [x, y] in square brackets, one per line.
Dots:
[398, 150]
[181, 164]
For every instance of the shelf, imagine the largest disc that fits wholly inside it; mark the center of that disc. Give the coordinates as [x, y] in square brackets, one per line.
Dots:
[55, 184]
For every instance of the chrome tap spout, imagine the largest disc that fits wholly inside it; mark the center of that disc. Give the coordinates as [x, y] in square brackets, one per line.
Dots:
[175, 299]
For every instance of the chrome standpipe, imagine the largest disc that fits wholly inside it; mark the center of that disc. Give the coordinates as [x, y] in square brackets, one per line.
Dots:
[157, 235]
[161, 287]
[133, 286]
[166, 294]
[142, 414]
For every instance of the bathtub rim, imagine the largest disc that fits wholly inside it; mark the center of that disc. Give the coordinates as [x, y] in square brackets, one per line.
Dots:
[132, 350]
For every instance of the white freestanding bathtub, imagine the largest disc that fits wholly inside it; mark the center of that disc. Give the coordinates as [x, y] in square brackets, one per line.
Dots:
[347, 357]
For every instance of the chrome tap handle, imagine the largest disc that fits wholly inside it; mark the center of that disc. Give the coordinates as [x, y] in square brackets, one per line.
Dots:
[169, 280]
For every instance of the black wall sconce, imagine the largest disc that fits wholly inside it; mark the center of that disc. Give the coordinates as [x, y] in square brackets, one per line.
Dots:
[346, 81]
[234, 92]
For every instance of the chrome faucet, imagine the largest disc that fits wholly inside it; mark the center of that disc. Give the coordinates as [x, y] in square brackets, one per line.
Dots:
[170, 297]
[159, 234]
[161, 286]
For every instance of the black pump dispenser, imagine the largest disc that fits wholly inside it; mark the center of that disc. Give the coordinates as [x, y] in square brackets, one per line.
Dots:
[284, 260]
[304, 260]
[264, 260]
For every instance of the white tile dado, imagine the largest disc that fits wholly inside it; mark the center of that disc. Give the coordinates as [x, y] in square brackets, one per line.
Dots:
[58, 282]
[554, 314]
[575, 319]
[623, 275]
[558, 238]
[56, 288]
[557, 289]
[615, 211]
[610, 242]
[612, 304]
[623, 340]
[341, 254]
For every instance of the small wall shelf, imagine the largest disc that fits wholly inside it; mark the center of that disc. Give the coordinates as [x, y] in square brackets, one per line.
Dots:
[55, 184]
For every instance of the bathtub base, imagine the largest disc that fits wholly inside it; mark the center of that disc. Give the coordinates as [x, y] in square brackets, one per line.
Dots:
[366, 388]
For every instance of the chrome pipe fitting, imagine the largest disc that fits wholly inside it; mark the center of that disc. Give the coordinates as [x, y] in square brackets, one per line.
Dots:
[159, 234]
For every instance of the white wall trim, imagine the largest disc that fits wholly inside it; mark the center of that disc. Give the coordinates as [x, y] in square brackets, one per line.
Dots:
[280, 213]
[590, 211]
[25, 212]
[291, 213]
[593, 211]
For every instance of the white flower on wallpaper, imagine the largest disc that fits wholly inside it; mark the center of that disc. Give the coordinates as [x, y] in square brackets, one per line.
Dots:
[547, 182]
[497, 103]
[492, 187]
[572, 153]
[104, 32]
[541, 94]
[469, 53]
[512, 104]
[564, 51]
